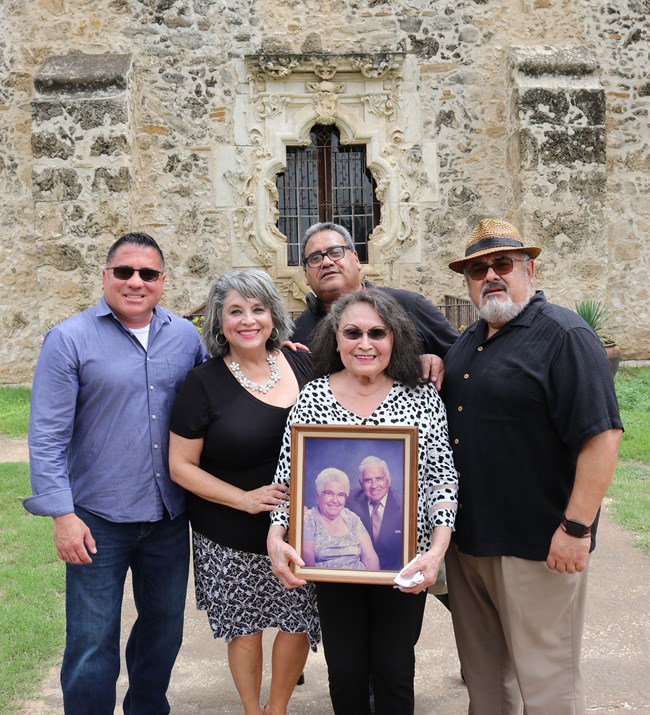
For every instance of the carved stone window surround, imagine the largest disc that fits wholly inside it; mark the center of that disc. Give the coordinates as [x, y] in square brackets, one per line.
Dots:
[282, 97]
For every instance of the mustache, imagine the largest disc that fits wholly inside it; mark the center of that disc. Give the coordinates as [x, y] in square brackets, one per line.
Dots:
[494, 284]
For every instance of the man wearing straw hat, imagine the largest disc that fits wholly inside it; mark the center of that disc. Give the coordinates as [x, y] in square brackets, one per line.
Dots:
[534, 425]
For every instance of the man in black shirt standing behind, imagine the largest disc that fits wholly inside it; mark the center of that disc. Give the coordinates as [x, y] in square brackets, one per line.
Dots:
[332, 268]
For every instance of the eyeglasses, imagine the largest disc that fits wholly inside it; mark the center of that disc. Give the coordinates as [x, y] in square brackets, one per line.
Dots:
[328, 494]
[501, 266]
[123, 273]
[335, 253]
[357, 334]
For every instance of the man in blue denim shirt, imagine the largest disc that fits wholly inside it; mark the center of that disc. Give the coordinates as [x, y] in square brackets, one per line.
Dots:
[103, 389]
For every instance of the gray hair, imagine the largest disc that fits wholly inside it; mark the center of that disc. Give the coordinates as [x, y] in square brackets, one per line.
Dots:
[251, 283]
[369, 461]
[326, 226]
[404, 363]
[331, 474]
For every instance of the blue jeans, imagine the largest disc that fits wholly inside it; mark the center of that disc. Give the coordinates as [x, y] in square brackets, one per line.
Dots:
[158, 555]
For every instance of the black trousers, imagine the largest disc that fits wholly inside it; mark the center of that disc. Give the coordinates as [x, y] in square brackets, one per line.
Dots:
[370, 632]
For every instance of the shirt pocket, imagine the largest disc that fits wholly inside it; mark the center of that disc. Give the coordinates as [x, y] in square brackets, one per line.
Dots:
[178, 365]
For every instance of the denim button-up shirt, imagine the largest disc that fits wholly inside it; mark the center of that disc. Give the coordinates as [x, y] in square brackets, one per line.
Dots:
[99, 419]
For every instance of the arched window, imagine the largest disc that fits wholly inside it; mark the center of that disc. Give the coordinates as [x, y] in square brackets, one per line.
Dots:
[326, 181]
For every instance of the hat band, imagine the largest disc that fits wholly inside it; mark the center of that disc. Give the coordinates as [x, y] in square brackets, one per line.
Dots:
[493, 242]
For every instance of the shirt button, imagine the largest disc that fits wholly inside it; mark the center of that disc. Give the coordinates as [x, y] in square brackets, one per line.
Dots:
[155, 446]
[456, 441]
[151, 387]
[466, 376]
[480, 348]
[157, 474]
[153, 417]
[460, 408]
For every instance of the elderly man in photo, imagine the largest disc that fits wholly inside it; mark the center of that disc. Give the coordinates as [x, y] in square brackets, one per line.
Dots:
[103, 390]
[379, 507]
[535, 428]
[332, 268]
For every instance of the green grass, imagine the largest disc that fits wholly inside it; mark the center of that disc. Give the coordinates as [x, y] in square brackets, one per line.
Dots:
[630, 490]
[32, 582]
[14, 411]
[633, 391]
[630, 505]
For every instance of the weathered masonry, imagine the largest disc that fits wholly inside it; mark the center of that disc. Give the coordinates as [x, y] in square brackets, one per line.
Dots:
[177, 117]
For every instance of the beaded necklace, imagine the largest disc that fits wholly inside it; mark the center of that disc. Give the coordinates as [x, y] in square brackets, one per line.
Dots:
[255, 386]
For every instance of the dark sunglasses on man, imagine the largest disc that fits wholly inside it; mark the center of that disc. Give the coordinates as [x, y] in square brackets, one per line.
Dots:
[501, 266]
[123, 273]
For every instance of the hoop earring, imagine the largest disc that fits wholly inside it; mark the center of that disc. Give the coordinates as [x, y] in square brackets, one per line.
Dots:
[224, 343]
[273, 338]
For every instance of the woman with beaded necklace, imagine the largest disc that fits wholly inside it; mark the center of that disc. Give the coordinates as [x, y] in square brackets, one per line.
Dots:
[226, 430]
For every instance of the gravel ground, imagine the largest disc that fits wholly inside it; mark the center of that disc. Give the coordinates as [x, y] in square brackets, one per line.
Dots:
[13, 450]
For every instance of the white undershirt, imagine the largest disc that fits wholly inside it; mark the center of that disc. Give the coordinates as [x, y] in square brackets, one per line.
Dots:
[142, 334]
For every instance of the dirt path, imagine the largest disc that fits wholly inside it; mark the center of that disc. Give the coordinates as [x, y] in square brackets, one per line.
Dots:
[13, 450]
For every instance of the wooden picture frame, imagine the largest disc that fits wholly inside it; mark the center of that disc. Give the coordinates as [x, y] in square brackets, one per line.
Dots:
[332, 543]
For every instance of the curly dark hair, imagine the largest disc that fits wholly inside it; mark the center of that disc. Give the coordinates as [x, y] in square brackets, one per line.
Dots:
[404, 363]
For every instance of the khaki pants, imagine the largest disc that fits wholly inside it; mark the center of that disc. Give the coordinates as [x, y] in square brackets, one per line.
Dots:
[518, 628]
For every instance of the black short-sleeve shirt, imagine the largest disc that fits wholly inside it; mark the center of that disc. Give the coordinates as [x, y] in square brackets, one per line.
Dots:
[520, 406]
[242, 437]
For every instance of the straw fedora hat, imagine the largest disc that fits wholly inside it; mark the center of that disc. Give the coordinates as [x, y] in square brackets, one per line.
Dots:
[490, 236]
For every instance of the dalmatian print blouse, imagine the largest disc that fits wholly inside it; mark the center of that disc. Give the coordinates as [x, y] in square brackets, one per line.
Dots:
[403, 406]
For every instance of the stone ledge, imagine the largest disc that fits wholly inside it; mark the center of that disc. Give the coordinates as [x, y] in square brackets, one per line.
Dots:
[82, 73]
[539, 60]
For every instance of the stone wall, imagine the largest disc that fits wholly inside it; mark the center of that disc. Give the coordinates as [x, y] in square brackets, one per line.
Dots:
[137, 114]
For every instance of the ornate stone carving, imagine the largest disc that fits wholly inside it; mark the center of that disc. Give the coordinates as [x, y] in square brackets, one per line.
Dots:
[325, 71]
[325, 66]
[360, 94]
[269, 106]
[381, 105]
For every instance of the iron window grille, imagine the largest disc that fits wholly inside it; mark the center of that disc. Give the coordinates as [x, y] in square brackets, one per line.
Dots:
[326, 181]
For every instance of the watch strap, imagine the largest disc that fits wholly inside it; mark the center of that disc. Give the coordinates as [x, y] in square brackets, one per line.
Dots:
[575, 528]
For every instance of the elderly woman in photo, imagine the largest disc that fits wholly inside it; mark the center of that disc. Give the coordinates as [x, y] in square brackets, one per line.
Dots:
[333, 536]
[226, 431]
[366, 359]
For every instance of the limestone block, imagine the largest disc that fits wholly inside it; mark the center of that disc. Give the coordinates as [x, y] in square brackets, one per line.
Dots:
[56, 185]
[559, 106]
[571, 146]
[83, 73]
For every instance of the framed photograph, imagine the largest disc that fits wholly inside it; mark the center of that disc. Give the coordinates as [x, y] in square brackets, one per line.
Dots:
[353, 501]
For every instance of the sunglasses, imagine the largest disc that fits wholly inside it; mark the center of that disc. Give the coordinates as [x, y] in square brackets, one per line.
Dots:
[123, 273]
[501, 266]
[373, 333]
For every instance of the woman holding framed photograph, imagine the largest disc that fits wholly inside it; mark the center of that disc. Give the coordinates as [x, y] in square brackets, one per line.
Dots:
[366, 356]
[226, 431]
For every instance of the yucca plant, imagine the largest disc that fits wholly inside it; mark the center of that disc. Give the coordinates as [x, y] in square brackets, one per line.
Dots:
[593, 312]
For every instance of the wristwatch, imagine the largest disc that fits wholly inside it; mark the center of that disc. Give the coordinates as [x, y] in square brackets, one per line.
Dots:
[575, 528]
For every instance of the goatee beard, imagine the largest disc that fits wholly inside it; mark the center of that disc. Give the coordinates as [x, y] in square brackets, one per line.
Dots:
[496, 311]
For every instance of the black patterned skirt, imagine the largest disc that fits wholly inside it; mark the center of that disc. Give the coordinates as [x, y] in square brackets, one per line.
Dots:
[242, 596]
